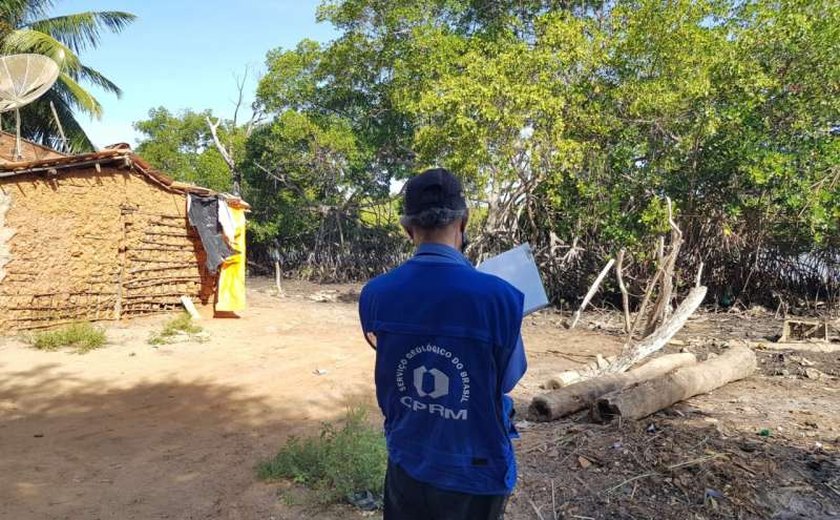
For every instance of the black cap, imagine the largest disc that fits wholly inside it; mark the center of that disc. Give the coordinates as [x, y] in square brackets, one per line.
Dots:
[434, 189]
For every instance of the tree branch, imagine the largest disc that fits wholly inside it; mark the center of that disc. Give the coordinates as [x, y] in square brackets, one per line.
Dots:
[214, 127]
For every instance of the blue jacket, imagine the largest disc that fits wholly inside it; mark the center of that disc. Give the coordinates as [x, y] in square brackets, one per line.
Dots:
[448, 349]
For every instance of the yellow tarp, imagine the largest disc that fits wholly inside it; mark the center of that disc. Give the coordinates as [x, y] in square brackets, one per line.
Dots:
[232, 278]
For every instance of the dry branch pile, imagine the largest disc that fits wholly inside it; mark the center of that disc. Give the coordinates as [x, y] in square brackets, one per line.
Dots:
[609, 388]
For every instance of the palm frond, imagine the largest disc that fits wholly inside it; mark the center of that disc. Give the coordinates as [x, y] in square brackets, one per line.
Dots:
[17, 12]
[23, 29]
[13, 10]
[37, 8]
[75, 96]
[36, 42]
[5, 27]
[82, 30]
[93, 76]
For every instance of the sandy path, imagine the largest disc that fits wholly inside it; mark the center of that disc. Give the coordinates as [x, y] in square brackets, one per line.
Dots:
[136, 432]
[132, 431]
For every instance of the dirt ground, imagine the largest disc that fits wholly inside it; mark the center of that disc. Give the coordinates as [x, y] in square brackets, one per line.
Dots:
[133, 431]
[762, 448]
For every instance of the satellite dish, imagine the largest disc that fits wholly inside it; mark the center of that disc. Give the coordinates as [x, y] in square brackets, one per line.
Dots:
[23, 79]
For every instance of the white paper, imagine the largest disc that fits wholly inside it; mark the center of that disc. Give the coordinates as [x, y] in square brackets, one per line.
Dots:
[518, 267]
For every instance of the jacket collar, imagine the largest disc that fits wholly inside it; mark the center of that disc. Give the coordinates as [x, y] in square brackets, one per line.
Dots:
[430, 252]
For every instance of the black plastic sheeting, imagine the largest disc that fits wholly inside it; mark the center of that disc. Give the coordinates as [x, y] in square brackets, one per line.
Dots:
[204, 217]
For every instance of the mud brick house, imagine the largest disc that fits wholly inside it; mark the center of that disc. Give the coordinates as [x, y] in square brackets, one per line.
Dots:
[98, 236]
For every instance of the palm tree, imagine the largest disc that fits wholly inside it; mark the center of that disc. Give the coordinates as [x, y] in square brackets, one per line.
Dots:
[25, 29]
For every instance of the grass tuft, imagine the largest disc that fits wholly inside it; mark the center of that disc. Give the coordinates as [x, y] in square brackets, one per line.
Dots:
[180, 324]
[83, 337]
[336, 463]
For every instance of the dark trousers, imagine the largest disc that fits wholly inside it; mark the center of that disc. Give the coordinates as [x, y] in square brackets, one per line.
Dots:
[409, 499]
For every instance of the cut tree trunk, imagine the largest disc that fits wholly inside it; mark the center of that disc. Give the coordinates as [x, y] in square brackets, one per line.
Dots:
[641, 400]
[558, 403]
[564, 379]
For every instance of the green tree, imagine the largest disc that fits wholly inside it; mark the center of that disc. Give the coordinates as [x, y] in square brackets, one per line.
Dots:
[182, 146]
[26, 28]
[319, 172]
[570, 121]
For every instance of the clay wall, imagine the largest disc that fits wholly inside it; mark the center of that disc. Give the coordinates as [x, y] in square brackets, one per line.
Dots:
[96, 245]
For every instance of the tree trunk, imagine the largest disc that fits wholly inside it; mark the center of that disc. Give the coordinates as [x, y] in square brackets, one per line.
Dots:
[625, 297]
[651, 396]
[662, 307]
[558, 403]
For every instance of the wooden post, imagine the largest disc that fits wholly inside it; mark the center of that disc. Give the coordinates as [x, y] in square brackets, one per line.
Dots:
[591, 292]
[278, 277]
[121, 280]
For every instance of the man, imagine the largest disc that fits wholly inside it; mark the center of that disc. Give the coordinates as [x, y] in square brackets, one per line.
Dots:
[448, 349]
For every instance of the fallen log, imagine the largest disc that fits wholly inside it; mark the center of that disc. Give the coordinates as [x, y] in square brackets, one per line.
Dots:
[806, 347]
[564, 379]
[558, 403]
[588, 371]
[641, 400]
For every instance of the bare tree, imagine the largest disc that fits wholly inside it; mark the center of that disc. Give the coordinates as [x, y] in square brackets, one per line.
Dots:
[227, 149]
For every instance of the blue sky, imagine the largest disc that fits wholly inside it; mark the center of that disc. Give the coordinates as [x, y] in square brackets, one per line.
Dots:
[185, 53]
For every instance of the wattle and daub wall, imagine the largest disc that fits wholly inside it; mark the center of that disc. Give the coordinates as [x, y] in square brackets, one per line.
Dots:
[90, 245]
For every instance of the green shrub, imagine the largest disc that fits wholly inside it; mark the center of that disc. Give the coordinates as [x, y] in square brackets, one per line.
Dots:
[181, 323]
[83, 337]
[335, 464]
